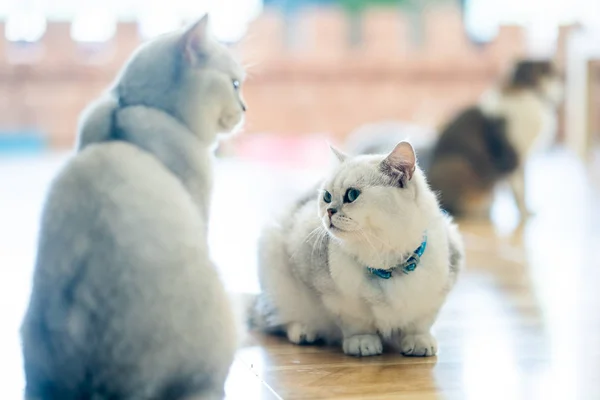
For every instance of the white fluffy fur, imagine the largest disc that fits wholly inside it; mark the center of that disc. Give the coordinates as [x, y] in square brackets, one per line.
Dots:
[314, 278]
[531, 125]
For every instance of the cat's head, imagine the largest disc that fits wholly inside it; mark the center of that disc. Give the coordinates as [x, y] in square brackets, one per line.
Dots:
[191, 76]
[376, 199]
[539, 75]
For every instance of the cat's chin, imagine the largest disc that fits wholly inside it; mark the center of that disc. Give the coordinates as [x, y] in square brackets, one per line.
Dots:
[337, 232]
[230, 124]
[228, 134]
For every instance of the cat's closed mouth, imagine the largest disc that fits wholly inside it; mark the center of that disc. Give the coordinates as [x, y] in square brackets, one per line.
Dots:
[332, 227]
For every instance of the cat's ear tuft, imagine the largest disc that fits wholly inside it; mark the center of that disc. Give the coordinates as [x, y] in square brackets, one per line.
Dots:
[195, 39]
[400, 163]
[340, 155]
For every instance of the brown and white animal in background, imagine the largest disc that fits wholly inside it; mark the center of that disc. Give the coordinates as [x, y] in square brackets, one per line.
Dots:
[528, 102]
[484, 143]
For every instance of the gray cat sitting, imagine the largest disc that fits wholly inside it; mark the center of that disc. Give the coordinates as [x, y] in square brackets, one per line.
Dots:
[126, 303]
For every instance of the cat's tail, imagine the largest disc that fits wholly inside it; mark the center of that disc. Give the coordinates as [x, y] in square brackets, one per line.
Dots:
[96, 121]
[262, 315]
[457, 249]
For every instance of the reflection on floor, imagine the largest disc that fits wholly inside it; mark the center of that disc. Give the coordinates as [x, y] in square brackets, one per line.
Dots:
[522, 323]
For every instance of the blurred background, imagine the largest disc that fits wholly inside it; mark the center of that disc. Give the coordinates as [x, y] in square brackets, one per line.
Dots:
[317, 67]
[317, 71]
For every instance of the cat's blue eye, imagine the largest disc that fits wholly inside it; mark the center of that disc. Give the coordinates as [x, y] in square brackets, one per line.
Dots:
[327, 197]
[236, 84]
[351, 195]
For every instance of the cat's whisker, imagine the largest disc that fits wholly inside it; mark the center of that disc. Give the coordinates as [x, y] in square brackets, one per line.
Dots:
[322, 234]
[311, 235]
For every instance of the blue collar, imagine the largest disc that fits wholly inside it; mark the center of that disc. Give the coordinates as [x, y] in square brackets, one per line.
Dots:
[407, 266]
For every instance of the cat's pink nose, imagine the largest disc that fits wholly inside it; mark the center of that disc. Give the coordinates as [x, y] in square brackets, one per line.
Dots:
[331, 211]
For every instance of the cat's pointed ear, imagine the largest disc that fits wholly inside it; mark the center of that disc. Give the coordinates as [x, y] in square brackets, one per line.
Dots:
[195, 39]
[340, 155]
[401, 163]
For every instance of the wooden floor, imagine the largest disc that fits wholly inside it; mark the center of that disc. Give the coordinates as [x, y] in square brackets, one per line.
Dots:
[522, 323]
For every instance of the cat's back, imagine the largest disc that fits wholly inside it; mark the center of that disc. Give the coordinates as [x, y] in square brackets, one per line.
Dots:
[124, 291]
[119, 192]
[462, 135]
[525, 115]
[115, 160]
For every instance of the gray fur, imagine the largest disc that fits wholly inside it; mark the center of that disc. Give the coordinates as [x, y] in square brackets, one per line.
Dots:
[456, 251]
[96, 122]
[263, 315]
[307, 197]
[126, 303]
[456, 257]
[308, 262]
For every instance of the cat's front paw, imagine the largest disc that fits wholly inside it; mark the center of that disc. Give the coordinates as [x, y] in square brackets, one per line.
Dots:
[363, 345]
[300, 334]
[421, 345]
